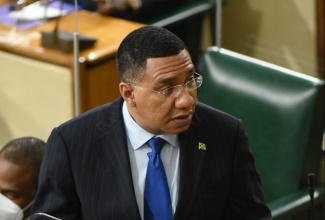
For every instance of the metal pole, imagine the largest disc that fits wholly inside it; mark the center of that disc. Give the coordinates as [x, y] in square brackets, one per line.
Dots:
[76, 63]
[218, 22]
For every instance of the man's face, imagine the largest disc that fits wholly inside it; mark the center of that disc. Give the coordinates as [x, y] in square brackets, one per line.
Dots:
[16, 182]
[152, 111]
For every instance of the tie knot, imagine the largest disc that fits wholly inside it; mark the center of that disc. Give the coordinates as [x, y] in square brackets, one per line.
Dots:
[156, 144]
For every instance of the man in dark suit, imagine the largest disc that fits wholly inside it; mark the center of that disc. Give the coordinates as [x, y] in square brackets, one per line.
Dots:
[95, 164]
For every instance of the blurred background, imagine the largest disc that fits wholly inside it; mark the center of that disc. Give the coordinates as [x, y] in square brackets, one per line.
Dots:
[44, 82]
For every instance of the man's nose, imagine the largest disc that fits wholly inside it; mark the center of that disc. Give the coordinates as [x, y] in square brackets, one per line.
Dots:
[185, 98]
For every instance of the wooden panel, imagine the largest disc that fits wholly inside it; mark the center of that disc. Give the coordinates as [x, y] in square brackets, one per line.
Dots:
[35, 97]
[98, 85]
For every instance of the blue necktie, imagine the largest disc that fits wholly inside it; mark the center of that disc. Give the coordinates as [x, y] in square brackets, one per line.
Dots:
[157, 202]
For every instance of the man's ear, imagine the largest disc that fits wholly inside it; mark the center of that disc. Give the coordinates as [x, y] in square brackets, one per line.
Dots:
[127, 92]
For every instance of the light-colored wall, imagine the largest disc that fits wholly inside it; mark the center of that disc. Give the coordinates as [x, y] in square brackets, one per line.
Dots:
[282, 32]
[34, 97]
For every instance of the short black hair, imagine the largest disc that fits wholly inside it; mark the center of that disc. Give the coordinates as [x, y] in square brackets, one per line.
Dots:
[141, 44]
[25, 151]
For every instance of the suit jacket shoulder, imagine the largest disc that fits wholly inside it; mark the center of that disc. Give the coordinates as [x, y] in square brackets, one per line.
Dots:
[218, 179]
[86, 172]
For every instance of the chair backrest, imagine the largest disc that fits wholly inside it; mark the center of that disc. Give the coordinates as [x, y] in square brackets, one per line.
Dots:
[187, 10]
[282, 111]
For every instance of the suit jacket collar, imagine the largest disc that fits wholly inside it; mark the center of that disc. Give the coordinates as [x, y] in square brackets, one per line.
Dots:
[192, 158]
[112, 149]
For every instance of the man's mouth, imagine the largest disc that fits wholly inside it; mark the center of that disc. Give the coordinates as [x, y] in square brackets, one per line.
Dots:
[183, 119]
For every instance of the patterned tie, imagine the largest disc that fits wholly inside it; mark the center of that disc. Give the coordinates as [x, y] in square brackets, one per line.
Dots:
[157, 202]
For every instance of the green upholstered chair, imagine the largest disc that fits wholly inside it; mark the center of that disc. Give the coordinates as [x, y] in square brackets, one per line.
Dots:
[186, 22]
[283, 113]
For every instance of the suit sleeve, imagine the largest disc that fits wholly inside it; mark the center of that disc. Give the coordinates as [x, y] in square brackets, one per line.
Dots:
[246, 200]
[56, 194]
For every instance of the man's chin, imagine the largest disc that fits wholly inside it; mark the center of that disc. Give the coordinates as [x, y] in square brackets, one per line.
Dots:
[179, 129]
[172, 129]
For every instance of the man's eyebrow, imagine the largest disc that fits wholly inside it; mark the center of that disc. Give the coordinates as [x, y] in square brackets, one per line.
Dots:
[171, 79]
[167, 80]
[6, 191]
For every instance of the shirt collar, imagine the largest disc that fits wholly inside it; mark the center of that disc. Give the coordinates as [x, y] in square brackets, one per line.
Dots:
[138, 136]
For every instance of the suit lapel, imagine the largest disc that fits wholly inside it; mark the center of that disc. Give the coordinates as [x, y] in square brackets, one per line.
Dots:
[192, 156]
[113, 153]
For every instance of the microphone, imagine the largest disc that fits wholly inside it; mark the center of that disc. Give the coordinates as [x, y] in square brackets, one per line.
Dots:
[311, 188]
[64, 40]
[42, 214]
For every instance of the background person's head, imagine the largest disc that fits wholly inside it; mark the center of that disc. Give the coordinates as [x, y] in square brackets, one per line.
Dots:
[20, 161]
[158, 80]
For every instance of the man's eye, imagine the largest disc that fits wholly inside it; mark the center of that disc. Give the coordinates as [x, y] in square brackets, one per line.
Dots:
[168, 91]
[9, 195]
[192, 77]
[191, 82]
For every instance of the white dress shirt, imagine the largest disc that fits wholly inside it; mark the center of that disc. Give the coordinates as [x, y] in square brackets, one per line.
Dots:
[138, 149]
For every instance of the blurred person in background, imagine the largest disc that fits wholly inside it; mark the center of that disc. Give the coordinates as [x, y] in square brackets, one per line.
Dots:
[134, 10]
[20, 160]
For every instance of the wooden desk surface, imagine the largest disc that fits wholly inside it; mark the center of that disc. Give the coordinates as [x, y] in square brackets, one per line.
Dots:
[108, 31]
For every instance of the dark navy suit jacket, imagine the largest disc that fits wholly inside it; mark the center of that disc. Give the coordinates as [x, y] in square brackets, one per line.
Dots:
[86, 170]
